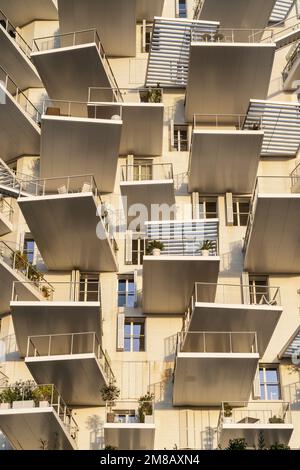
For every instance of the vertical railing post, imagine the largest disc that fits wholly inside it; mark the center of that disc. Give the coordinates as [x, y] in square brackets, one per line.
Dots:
[49, 345]
[204, 342]
[230, 342]
[72, 344]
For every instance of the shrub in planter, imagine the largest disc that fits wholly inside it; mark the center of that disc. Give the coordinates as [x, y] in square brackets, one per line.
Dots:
[110, 393]
[145, 406]
[278, 446]
[227, 413]
[205, 247]
[276, 420]
[237, 444]
[154, 247]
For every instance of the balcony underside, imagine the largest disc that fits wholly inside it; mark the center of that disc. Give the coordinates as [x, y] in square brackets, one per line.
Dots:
[78, 378]
[238, 13]
[68, 72]
[274, 245]
[64, 228]
[223, 77]
[44, 318]
[208, 379]
[225, 317]
[224, 161]
[22, 12]
[142, 129]
[147, 9]
[273, 433]
[19, 134]
[5, 225]
[16, 63]
[168, 281]
[292, 80]
[27, 428]
[130, 436]
[80, 146]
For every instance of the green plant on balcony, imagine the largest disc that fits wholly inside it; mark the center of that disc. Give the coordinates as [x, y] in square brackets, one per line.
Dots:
[278, 446]
[46, 291]
[145, 406]
[237, 444]
[154, 247]
[43, 393]
[154, 95]
[276, 420]
[20, 391]
[110, 393]
[205, 247]
[19, 260]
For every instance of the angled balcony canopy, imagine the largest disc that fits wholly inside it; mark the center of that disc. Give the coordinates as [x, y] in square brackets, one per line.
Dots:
[6, 217]
[23, 12]
[292, 347]
[281, 10]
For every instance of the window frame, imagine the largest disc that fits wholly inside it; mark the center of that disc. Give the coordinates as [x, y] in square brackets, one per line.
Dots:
[180, 144]
[265, 383]
[85, 279]
[181, 9]
[236, 201]
[203, 201]
[129, 279]
[140, 252]
[255, 295]
[132, 321]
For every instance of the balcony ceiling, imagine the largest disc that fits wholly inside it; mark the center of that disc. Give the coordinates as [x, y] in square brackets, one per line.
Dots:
[64, 228]
[168, 281]
[19, 134]
[220, 71]
[224, 161]
[273, 433]
[128, 436]
[43, 318]
[147, 9]
[78, 378]
[5, 225]
[26, 428]
[80, 146]
[22, 12]
[68, 72]
[274, 245]
[208, 379]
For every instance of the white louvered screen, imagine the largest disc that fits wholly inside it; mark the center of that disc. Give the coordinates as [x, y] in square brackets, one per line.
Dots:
[120, 331]
[281, 10]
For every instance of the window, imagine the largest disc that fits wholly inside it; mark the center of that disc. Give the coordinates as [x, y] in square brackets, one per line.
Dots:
[126, 291]
[182, 9]
[138, 250]
[259, 292]
[269, 383]
[142, 170]
[28, 249]
[89, 288]
[241, 210]
[181, 138]
[134, 335]
[146, 38]
[208, 207]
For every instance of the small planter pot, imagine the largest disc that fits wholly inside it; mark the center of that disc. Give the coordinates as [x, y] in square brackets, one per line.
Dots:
[156, 252]
[227, 420]
[44, 404]
[23, 404]
[205, 252]
[148, 419]
[110, 417]
[5, 406]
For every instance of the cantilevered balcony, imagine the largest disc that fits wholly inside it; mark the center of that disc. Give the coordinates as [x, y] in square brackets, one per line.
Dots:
[168, 279]
[291, 72]
[37, 419]
[142, 113]
[212, 366]
[70, 225]
[147, 185]
[80, 59]
[281, 125]
[217, 307]
[15, 267]
[251, 420]
[15, 55]
[272, 237]
[6, 217]
[75, 362]
[75, 142]
[224, 154]
[19, 121]
[130, 425]
[65, 307]
[23, 12]
[227, 69]
[114, 19]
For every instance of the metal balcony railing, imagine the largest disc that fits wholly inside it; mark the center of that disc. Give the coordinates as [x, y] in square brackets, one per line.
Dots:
[225, 121]
[130, 412]
[31, 395]
[6, 209]
[211, 342]
[147, 172]
[14, 34]
[292, 60]
[61, 291]
[127, 95]
[77, 38]
[81, 109]
[295, 175]
[19, 97]
[69, 345]
[230, 35]
[3, 378]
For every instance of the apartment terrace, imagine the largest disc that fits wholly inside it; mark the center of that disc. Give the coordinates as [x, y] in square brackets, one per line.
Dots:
[217, 164]
[71, 225]
[37, 415]
[272, 242]
[6, 217]
[210, 366]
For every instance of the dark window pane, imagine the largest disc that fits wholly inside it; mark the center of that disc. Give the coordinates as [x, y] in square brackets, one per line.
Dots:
[130, 301]
[243, 219]
[121, 300]
[135, 257]
[273, 392]
[235, 219]
[131, 286]
[262, 392]
[127, 345]
[122, 285]
[245, 207]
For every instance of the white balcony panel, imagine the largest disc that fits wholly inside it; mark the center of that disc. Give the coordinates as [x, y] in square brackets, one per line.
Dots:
[20, 135]
[78, 146]
[142, 129]
[68, 72]
[147, 9]
[27, 428]
[273, 433]
[223, 77]
[238, 13]
[224, 160]
[209, 378]
[273, 244]
[115, 20]
[64, 228]
[78, 378]
[6, 225]
[130, 436]
[293, 76]
[43, 318]
[22, 12]
[16, 62]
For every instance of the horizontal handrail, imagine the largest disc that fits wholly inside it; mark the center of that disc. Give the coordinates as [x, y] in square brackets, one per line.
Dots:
[81, 109]
[147, 172]
[230, 35]
[238, 121]
[130, 412]
[290, 63]
[213, 342]
[14, 34]
[132, 95]
[255, 412]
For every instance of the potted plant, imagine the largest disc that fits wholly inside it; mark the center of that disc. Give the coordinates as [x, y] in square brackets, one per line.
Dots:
[145, 410]
[110, 393]
[205, 247]
[279, 446]
[154, 247]
[23, 394]
[237, 444]
[46, 292]
[227, 415]
[276, 420]
[6, 398]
